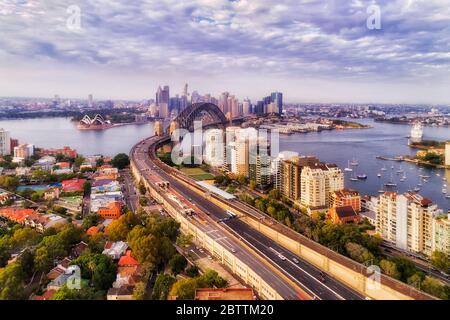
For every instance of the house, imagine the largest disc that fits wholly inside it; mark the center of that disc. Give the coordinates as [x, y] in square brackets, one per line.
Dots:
[92, 231]
[58, 282]
[60, 269]
[47, 295]
[44, 222]
[15, 214]
[23, 171]
[78, 249]
[122, 293]
[52, 193]
[74, 185]
[115, 250]
[127, 260]
[112, 211]
[5, 197]
[341, 215]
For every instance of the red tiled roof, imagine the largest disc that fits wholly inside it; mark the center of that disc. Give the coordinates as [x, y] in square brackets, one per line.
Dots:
[127, 260]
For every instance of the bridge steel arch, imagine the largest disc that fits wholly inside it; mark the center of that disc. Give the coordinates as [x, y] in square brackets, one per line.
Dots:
[187, 117]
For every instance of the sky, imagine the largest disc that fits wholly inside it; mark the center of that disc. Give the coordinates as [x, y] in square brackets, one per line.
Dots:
[312, 51]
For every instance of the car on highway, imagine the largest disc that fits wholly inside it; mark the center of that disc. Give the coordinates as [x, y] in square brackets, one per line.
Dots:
[295, 260]
[282, 257]
[233, 250]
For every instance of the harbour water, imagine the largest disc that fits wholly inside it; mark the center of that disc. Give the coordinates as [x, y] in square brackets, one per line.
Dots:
[383, 139]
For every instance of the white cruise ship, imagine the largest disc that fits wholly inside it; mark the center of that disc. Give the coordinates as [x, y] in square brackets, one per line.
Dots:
[417, 132]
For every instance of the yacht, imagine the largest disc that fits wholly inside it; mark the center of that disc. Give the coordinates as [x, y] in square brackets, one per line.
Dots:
[354, 162]
[361, 176]
[444, 191]
[379, 175]
[390, 183]
[384, 168]
[416, 189]
[348, 169]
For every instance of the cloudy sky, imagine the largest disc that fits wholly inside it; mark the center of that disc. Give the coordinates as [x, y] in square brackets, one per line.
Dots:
[313, 51]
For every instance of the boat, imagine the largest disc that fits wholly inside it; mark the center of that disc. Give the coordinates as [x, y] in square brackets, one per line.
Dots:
[424, 176]
[438, 174]
[361, 176]
[379, 175]
[390, 183]
[419, 184]
[447, 196]
[354, 162]
[416, 189]
[384, 168]
[348, 169]
[444, 191]
[416, 132]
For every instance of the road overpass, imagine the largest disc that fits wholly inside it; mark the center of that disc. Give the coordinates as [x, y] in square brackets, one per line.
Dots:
[292, 270]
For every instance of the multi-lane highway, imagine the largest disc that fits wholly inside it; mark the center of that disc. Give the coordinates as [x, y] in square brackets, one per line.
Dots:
[204, 222]
[305, 275]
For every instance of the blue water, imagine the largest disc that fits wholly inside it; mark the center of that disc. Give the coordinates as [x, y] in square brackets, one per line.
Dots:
[330, 146]
[383, 139]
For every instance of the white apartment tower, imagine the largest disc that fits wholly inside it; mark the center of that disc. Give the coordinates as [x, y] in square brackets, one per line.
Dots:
[406, 220]
[5, 143]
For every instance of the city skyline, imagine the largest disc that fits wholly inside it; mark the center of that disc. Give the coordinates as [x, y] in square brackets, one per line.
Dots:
[312, 51]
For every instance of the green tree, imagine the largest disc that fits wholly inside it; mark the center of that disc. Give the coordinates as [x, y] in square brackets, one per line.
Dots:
[275, 194]
[11, 282]
[162, 286]
[85, 293]
[139, 291]
[241, 179]
[184, 289]
[358, 253]
[90, 221]
[390, 268]
[177, 264]
[405, 266]
[48, 250]
[79, 161]
[435, 288]
[98, 268]
[5, 249]
[184, 240]
[121, 161]
[252, 184]
[9, 183]
[25, 237]
[440, 261]
[192, 271]
[142, 188]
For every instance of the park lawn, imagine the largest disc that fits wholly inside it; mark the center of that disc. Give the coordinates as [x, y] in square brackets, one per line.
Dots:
[197, 174]
[201, 177]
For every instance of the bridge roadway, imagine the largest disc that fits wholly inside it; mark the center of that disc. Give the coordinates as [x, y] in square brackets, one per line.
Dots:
[204, 222]
[298, 270]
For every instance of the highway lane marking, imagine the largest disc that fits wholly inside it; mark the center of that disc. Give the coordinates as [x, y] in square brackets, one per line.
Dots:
[304, 271]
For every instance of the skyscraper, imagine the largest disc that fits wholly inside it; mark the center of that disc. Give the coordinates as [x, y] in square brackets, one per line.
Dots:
[5, 143]
[214, 154]
[162, 95]
[223, 102]
[277, 98]
[90, 100]
[246, 107]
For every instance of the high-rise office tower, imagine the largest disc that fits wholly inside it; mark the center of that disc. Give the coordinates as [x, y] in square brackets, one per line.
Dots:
[246, 107]
[163, 95]
[223, 102]
[90, 100]
[277, 99]
[5, 143]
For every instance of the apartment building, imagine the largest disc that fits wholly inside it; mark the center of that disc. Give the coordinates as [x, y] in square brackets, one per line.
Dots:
[406, 220]
[441, 233]
[317, 183]
[346, 197]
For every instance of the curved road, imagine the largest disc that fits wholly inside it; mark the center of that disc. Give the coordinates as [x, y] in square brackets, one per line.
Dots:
[305, 275]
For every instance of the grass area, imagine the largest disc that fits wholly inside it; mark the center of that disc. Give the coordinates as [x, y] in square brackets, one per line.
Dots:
[197, 174]
[73, 200]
